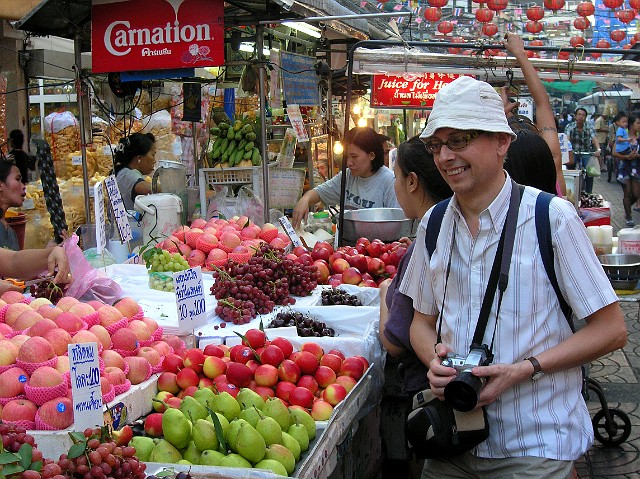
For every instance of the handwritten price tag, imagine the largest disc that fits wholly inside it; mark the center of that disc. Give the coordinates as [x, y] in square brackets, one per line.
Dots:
[98, 209]
[295, 118]
[288, 229]
[85, 385]
[119, 211]
[190, 299]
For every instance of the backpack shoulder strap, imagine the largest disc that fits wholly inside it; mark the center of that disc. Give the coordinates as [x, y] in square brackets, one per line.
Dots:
[543, 232]
[434, 224]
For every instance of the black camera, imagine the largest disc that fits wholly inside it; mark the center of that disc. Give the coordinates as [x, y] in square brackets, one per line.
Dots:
[463, 391]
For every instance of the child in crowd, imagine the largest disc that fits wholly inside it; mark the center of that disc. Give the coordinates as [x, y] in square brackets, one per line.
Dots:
[628, 164]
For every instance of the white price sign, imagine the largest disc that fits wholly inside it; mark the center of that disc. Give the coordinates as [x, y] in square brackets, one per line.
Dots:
[98, 209]
[190, 299]
[76, 160]
[85, 385]
[295, 118]
[288, 229]
[119, 211]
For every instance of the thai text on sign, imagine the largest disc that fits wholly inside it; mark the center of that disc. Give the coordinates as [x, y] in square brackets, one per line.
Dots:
[84, 369]
[190, 299]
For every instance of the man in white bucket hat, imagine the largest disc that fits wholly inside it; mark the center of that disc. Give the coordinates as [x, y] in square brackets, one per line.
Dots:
[539, 423]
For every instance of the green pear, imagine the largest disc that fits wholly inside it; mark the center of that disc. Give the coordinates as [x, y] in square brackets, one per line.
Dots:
[304, 418]
[273, 466]
[184, 462]
[284, 456]
[176, 428]
[251, 415]
[247, 398]
[144, 445]
[205, 397]
[192, 409]
[165, 452]
[223, 422]
[250, 444]
[232, 432]
[290, 443]
[299, 433]
[270, 430]
[191, 453]
[235, 460]
[225, 404]
[204, 435]
[276, 409]
[210, 458]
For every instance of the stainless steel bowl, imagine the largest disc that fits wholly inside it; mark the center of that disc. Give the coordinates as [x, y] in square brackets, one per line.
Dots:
[385, 224]
[623, 270]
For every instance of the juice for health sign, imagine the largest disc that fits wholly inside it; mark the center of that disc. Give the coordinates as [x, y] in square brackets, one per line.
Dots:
[156, 34]
[408, 90]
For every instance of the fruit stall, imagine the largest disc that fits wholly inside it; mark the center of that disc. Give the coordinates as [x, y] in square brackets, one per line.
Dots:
[283, 376]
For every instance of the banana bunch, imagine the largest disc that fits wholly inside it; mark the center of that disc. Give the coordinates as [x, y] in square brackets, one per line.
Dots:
[235, 145]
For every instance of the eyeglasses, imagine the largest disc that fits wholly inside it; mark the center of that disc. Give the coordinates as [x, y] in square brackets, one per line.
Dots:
[456, 143]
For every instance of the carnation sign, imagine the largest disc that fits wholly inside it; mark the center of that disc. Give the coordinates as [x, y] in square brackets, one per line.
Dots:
[409, 90]
[156, 34]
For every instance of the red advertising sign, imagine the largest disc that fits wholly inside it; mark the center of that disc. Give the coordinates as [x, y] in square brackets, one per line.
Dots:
[131, 35]
[408, 90]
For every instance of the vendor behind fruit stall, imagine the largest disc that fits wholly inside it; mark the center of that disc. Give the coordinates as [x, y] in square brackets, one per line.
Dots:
[12, 193]
[134, 159]
[369, 184]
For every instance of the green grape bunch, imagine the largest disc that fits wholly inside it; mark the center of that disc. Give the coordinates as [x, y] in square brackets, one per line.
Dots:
[159, 260]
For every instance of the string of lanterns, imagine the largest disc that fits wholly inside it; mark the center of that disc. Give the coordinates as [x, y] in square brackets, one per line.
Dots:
[487, 9]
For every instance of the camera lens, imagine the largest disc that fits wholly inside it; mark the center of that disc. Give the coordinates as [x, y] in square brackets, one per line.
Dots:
[462, 393]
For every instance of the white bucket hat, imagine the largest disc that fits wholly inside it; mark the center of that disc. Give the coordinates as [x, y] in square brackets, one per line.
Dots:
[467, 104]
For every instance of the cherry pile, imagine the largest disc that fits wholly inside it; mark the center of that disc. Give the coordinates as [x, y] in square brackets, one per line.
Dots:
[47, 289]
[305, 325]
[244, 290]
[338, 296]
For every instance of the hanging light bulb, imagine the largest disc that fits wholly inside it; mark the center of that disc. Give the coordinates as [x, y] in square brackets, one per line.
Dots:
[362, 122]
[338, 148]
[356, 109]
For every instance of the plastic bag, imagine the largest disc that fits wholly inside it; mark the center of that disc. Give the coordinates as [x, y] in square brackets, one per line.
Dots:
[88, 282]
[593, 167]
[220, 204]
[251, 205]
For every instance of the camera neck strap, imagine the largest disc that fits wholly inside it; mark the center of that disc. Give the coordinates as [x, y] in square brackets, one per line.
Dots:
[499, 276]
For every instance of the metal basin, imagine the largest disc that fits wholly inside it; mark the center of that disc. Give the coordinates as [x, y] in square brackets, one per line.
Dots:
[385, 224]
[623, 270]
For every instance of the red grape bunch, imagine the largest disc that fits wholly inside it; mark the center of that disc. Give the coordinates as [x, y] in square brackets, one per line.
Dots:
[48, 289]
[267, 279]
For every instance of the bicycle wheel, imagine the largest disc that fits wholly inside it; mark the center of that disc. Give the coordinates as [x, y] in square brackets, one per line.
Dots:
[614, 432]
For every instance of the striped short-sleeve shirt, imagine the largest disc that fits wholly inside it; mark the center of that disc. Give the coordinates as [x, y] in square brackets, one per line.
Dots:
[545, 418]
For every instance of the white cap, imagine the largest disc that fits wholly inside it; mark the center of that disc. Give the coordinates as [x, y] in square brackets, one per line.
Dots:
[468, 104]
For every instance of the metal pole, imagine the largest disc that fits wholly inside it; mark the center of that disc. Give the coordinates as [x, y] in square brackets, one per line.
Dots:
[330, 139]
[338, 17]
[263, 120]
[81, 97]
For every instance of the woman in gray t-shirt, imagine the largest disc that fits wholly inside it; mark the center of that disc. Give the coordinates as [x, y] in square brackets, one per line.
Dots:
[134, 158]
[369, 184]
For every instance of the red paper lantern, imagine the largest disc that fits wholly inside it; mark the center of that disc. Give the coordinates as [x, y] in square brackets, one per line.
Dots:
[534, 27]
[497, 5]
[585, 9]
[484, 15]
[617, 35]
[563, 55]
[635, 4]
[553, 4]
[445, 27]
[628, 45]
[481, 2]
[455, 50]
[626, 15]
[612, 4]
[437, 3]
[490, 52]
[577, 41]
[603, 44]
[536, 13]
[581, 23]
[432, 14]
[536, 43]
[489, 29]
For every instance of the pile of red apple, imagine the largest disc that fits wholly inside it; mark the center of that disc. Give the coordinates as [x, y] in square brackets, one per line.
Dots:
[368, 263]
[210, 243]
[308, 378]
[34, 366]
